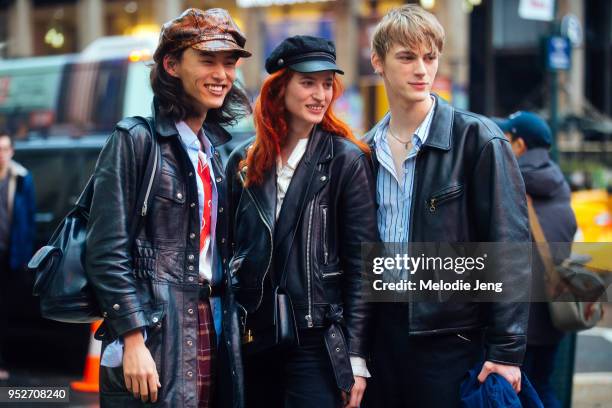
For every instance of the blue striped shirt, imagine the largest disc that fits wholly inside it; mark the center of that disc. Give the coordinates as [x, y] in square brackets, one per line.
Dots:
[393, 194]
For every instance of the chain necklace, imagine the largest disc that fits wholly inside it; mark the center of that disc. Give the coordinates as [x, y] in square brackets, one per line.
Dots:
[406, 144]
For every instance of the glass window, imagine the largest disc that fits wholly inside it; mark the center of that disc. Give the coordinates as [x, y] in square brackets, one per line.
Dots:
[512, 31]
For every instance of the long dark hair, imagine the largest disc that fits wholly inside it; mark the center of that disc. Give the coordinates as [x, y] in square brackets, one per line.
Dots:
[175, 103]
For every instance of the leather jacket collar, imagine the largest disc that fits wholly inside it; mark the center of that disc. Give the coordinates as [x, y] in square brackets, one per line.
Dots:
[165, 128]
[441, 127]
[320, 145]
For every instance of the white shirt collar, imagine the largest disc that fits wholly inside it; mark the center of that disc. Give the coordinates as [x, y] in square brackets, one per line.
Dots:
[190, 139]
[294, 157]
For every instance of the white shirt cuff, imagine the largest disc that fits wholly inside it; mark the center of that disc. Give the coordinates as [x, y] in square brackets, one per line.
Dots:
[360, 369]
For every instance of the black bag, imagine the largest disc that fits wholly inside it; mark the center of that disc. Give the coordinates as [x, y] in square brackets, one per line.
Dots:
[274, 326]
[61, 281]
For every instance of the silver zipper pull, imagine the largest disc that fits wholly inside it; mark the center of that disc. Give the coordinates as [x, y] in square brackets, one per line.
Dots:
[432, 205]
[144, 209]
[309, 320]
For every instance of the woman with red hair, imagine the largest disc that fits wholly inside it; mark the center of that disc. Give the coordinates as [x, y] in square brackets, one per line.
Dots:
[302, 199]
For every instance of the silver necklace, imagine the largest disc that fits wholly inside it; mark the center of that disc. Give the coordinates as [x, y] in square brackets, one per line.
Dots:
[406, 144]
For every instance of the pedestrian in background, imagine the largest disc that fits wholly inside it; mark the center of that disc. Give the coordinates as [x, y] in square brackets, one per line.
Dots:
[17, 228]
[170, 332]
[442, 175]
[302, 200]
[531, 139]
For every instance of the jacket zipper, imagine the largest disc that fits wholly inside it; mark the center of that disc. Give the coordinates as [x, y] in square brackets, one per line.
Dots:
[146, 200]
[327, 275]
[271, 240]
[440, 198]
[325, 248]
[308, 317]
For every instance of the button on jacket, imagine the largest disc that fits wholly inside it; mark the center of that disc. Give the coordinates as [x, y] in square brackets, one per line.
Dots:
[468, 188]
[155, 284]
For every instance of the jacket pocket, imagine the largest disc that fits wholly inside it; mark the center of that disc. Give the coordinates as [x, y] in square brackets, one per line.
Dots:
[168, 211]
[442, 196]
[171, 188]
[324, 236]
[331, 272]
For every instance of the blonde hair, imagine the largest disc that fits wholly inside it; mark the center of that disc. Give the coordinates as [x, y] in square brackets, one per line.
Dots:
[408, 25]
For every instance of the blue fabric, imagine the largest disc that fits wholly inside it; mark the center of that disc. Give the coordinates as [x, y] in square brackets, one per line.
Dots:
[496, 392]
[393, 195]
[22, 225]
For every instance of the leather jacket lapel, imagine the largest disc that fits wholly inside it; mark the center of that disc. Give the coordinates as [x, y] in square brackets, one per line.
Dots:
[265, 197]
[296, 201]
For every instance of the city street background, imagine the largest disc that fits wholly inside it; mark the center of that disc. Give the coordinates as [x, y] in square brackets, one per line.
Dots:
[70, 69]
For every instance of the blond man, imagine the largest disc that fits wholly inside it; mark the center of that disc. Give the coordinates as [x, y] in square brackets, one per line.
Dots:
[442, 175]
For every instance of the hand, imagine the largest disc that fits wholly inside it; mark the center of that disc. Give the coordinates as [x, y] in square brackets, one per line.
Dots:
[353, 400]
[512, 374]
[590, 309]
[139, 370]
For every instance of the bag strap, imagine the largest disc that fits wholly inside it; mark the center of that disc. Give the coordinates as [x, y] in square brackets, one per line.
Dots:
[543, 248]
[146, 186]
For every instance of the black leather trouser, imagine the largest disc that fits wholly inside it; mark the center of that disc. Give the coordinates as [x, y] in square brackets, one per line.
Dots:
[300, 378]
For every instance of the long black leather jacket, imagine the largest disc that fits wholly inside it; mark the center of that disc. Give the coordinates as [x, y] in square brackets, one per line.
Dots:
[468, 188]
[154, 285]
[316, 239]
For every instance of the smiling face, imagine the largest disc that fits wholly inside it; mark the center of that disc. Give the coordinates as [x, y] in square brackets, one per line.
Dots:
[408, 73]
[308, 96]
[207, 77]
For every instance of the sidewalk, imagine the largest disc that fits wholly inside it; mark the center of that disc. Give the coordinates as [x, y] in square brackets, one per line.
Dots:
[593, 374]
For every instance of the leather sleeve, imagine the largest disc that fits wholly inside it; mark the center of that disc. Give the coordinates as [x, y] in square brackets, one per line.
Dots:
[358, 225]
[108, 256]
[500, 209]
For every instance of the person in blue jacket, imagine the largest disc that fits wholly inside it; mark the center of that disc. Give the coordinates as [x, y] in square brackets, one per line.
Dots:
[17, 208]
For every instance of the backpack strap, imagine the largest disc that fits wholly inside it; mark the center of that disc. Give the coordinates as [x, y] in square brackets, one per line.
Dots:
[148, 180]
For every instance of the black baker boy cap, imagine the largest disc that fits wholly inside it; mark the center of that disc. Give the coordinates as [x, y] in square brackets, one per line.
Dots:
[303, 53]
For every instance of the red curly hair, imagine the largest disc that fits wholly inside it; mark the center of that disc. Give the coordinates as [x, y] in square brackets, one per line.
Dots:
[270, 117]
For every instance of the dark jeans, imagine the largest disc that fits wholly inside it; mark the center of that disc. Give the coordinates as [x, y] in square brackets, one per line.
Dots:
[420, 371]
[538, 366]
[300, 378]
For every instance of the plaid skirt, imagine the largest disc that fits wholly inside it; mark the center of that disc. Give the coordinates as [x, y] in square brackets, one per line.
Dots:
[207, 341]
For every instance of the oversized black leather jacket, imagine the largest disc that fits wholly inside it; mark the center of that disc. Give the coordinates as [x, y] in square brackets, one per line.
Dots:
[317, 239]
[154, 285]
[468, 188]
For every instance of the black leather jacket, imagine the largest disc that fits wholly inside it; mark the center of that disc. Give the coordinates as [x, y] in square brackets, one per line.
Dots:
[468, 188]
[155, 283]
[324, 266]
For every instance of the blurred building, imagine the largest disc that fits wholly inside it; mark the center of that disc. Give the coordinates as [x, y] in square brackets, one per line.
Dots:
[492, 63]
